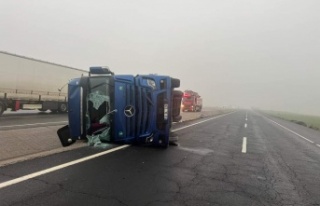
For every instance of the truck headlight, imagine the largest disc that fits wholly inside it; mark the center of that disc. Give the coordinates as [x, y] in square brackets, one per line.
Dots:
[165, 112]
[151, 83]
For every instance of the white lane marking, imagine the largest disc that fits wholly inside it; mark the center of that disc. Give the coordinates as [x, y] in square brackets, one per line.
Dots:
[181, 128]
[41, 154]
[245, 125]
[244, 145]
[52, 169]
[299, 135]
[58, 167]
[318, 145]
[200, 151]
[23, 125]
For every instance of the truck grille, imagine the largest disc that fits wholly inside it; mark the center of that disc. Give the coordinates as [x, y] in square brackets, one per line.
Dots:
[130, 121]
[143, 117]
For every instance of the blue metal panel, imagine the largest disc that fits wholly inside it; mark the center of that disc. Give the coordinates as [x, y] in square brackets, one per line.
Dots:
[124, 127]
[159, 96]
[74, 108]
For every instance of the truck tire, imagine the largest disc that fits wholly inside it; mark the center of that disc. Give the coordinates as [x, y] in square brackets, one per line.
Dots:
[63, 108]
[165, 144]
[42, 110]
[2, 108]
[175, 83]
[176, 105]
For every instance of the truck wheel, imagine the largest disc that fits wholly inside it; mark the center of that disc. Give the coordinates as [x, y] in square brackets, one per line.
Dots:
[175, 83]
[42, 110]
[176, 105]
[163, 142]
[63, 108]
[2, 108]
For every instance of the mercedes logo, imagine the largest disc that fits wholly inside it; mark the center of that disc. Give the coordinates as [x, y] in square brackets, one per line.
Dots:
[129, 111]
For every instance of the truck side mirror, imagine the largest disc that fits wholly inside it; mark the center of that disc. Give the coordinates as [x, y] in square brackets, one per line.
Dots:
[64, 136]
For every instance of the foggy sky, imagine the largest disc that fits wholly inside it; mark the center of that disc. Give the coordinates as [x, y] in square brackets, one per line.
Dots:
[262, 53]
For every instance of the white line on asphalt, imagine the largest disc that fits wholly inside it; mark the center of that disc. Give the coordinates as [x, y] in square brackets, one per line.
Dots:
[318, 145]
[245, 125]
[41, 154]
[181, 128]
[23, 125]
[299, 135]
[244, 145]
[52, 169]
[58, 167]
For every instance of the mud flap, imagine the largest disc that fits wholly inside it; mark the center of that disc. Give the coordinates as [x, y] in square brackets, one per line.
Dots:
[64, 136]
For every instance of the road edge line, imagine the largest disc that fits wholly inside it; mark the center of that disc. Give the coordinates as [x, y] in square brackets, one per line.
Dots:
[58, 167]
[191, 125]
[40, 154]
[299, 135]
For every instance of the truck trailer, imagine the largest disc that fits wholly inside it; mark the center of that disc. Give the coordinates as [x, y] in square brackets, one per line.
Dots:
[27, 83]
[121, 108]
[191, 101]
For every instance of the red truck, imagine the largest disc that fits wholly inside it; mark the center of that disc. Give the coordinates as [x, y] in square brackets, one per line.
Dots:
[191, 101]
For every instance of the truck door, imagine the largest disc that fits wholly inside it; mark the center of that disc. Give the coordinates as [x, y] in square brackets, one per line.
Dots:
[70, 133]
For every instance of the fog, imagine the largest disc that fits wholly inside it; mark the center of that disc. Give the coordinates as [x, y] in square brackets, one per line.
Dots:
[258, 53]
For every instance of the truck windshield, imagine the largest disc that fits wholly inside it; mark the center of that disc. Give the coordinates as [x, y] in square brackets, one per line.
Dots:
[98, 101]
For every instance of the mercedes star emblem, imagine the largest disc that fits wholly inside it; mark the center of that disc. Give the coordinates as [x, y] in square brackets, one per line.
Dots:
[129, 111]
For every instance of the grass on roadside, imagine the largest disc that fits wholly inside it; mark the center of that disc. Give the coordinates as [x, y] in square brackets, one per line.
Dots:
[310, 121]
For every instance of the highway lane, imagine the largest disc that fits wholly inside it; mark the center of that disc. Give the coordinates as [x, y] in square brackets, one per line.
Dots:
[209, 167]
[31, 119]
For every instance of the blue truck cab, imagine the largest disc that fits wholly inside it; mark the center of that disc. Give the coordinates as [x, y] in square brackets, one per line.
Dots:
[126, 108]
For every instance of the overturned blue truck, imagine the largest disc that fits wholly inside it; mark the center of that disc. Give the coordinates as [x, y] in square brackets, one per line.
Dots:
[121, 108]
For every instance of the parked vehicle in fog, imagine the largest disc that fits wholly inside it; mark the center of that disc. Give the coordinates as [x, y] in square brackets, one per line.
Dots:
[191, 101]
[27, 83]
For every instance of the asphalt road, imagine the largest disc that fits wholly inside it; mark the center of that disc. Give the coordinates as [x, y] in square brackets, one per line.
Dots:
[27, 119]
[278, 164]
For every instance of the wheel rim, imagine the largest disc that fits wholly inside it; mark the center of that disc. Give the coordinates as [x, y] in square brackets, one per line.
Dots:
[63, 108]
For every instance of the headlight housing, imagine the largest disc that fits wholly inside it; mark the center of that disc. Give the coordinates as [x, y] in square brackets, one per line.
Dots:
[151, 83]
